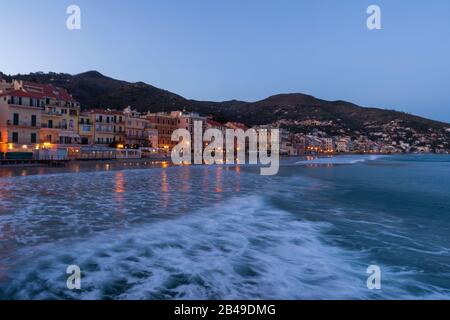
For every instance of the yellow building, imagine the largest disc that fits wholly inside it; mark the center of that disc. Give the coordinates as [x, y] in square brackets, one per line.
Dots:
[86, 128]
[59, 112]
[20, 118]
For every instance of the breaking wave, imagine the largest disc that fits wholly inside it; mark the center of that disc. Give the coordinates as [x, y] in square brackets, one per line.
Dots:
[242, 249]
[336, 160]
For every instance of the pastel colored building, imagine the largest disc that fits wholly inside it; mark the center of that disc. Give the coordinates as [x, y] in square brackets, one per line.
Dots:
[136, 128]
[20, 118]
[165, 124]
[86, 128]
[109, 126]
[59, 114]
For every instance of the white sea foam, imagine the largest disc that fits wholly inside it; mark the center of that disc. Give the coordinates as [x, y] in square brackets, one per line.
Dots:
[242, 249]
[344, 159]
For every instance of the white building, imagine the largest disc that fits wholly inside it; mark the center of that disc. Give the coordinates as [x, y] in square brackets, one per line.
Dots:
[342, 145]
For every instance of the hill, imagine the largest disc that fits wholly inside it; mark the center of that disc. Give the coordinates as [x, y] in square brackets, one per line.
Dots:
[95, 90]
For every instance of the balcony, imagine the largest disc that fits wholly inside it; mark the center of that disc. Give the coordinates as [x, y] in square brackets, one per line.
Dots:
[21, 124]
[52, 113]
[136, 137]
[104, 130]
[24, 106]
[60, 127]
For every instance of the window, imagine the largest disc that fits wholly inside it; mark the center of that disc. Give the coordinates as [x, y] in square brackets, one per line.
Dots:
[33, 138]
[50, 124]
[16, 119]
[15, 137]
[33, 120]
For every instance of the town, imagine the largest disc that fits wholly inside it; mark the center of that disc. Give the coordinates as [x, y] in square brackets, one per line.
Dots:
[44, 122]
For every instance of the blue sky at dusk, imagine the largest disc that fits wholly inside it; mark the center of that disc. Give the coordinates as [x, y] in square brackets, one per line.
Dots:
[248, 50]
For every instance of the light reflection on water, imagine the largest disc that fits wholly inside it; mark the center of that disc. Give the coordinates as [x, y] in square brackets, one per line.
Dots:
[76, 167]
[222, 231]
[47, 204]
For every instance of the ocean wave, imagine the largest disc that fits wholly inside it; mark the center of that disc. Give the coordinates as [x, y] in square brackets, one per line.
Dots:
[241, 249]
[336, 160]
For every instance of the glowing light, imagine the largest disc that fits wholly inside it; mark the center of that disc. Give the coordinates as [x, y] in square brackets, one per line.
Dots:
[120, 146]
[24, 146]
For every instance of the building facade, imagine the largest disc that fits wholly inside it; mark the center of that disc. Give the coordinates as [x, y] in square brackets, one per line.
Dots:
[86, 128]
[20, 118]
[165, 124]
[109, 126]
[136, 128]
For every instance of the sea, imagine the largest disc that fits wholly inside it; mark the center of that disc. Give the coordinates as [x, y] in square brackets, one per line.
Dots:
[316, 230]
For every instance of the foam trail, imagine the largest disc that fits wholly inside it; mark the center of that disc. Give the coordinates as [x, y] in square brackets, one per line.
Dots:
[346, 159]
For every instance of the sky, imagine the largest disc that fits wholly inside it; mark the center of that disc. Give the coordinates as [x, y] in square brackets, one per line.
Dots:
[245, 49]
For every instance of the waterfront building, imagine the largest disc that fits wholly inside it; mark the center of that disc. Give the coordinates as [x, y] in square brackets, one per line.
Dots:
[165, 124]
[186, 120]
[60, 111]
[300, 144]
[86, 128]
[136, 128]
[33, 113]
[343, 145]
[109, 126]
[328, 144]
[152, 137]
[20, 118]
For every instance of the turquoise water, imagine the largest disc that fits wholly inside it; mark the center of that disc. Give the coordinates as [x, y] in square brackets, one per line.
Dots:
[225, 232]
